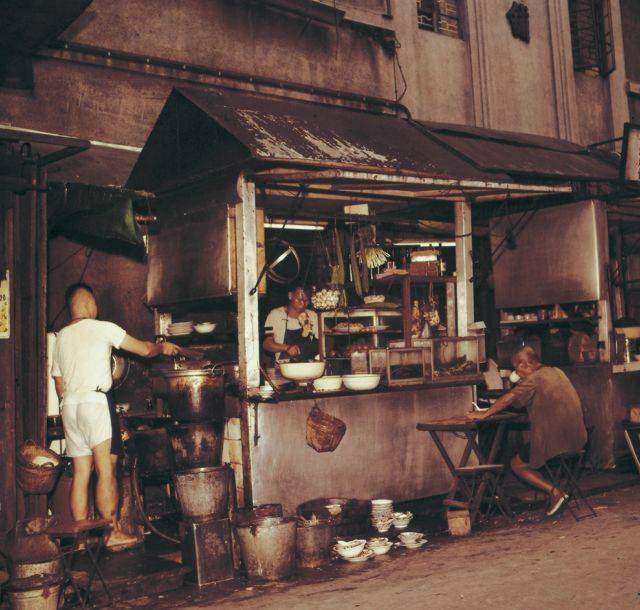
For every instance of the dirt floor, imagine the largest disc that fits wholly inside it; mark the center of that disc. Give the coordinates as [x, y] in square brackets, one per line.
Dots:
[532, 563]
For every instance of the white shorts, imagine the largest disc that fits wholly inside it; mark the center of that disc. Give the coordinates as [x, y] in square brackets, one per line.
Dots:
[86, 422]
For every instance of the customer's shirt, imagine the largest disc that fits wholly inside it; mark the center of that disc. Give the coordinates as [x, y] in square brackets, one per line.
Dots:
[555, 413]
[82, 356]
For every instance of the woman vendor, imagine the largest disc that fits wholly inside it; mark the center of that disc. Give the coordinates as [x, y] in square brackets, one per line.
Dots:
[291, 331]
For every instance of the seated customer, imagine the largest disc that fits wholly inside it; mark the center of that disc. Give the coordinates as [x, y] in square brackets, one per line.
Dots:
[555, 414]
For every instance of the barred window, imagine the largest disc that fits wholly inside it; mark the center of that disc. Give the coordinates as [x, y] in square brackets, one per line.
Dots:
[441, 16]
[591, 36]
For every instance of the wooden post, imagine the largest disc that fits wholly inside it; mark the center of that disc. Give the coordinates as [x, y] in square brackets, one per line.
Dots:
[464, 266]
[247, 269]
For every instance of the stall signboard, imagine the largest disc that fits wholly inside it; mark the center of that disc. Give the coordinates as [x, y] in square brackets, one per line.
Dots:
[5, 321]
[630, 166]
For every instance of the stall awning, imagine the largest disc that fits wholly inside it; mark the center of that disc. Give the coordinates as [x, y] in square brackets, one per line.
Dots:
[525, 155]
[351, 153]
[200, 130]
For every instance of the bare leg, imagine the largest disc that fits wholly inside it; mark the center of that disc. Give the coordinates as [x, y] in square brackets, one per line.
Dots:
[107, 493]
[533, 477]
[107, 487]
[80, 487]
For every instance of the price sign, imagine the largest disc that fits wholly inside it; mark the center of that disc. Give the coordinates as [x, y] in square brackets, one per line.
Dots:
[5, 310]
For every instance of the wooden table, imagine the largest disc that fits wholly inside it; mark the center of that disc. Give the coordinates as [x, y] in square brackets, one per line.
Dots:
[486, 469]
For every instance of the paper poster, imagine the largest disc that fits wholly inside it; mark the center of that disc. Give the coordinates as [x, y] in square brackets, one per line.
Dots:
[5, 322]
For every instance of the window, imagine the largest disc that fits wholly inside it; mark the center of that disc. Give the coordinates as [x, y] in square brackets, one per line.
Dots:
[591, 36]
[441, 16]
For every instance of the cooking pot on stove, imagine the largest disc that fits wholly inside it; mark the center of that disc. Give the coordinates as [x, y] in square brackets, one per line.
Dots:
[193, 392]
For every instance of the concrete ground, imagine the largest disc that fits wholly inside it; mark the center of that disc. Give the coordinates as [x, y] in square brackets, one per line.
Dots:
[533, 563]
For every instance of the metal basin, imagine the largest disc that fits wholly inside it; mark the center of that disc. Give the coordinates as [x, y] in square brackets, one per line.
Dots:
[203, 493]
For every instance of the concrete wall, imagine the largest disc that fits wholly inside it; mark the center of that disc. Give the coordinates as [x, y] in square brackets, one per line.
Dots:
[488, 77]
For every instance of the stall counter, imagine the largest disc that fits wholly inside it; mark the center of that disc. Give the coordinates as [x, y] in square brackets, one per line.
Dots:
[381, 455]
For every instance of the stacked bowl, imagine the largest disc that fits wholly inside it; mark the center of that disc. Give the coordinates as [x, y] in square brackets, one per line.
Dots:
[382, 514]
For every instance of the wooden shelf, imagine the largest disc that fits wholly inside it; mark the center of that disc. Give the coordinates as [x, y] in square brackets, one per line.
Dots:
[333, 333]
[572, 320]
[417, 279]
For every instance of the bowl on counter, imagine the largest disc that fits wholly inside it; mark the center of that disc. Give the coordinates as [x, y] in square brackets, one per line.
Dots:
[302, 371]
[205, 327]
[402, 520]
[328, 383]
[361, 382]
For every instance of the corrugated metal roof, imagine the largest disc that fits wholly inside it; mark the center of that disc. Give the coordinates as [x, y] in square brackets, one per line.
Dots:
[525, 155]
[276, 130]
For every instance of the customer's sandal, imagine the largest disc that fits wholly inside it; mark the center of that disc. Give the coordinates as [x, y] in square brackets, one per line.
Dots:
[557, 506]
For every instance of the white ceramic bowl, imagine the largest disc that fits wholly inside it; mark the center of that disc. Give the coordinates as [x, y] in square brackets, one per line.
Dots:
[205, 327]
[382, 525]
[382, 549]
[366, 554]
[410, 537]
[361, 382]
[302, 371]
[333, 509]
[349, 549]
[328, 383]
[373, 542]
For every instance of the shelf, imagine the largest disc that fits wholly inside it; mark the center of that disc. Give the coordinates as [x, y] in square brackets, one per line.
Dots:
[417, 279]
[573, 320]
[627, 367]
[363, 312]
[331, 333]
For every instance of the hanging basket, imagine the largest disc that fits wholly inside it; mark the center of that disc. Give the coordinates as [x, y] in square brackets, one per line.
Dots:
[324, 432]
[37, 469]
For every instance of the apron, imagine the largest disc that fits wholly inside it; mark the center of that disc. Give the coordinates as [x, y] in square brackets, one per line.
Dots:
[309, 347]
[117, 447]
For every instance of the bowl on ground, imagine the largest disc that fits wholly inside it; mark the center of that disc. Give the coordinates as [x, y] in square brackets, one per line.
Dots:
[349, 548]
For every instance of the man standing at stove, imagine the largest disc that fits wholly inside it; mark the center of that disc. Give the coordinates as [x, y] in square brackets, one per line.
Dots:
[82, 374]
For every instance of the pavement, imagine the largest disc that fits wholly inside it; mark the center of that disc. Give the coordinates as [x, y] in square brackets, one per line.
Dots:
[535, 562]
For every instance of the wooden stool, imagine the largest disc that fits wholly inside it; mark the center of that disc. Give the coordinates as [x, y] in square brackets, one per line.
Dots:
[72, 535]
[478, 484]
[564, 472]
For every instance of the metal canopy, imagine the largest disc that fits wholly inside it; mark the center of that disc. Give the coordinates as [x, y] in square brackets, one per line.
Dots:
[525, 155]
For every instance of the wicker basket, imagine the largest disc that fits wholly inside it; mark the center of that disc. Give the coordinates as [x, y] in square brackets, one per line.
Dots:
[34, 479]
[324, 432]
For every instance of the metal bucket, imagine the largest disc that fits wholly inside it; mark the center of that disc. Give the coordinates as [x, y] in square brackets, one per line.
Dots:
[203, 493]
[269, 549]
[20, 571]
[197, 445]
[313, 545]
[41, 598]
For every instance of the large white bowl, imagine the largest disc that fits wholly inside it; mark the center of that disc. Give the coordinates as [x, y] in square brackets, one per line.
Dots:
[302, 371]
[328, 383]
[361, 382]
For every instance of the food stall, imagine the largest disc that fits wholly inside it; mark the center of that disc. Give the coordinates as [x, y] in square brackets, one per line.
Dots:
[225, 167]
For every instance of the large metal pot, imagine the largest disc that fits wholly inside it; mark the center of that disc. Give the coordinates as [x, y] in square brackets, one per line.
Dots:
[196, 445]
[194, 394]
[153, 450]
[268, 548]
[203, 493]
[20, 571]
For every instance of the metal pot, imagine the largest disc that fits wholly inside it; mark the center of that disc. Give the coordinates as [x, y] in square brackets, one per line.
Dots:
[195, 394]
[313, 545]
[203, 493]
[20, 571]
[269, 550]
[155, 455]
[196, 445]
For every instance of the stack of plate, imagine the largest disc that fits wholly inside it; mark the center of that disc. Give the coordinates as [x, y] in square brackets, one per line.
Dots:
[381, 509]
[180, 328]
